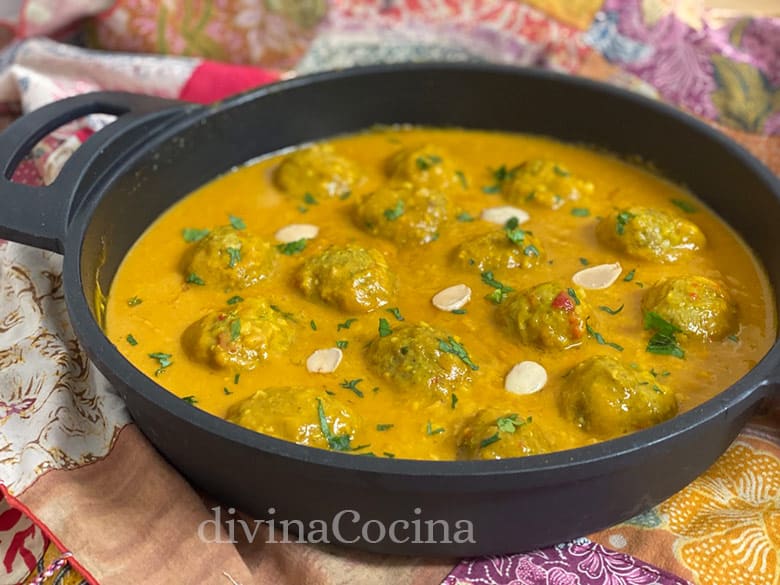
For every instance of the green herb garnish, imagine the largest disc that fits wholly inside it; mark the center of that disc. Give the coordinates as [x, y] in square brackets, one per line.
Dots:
[462, 178]
[733, 338]
[235, 329]
[313, 325]
[345, 325]
[390, 455]
[309, 199]
[513, 233]
[236, 378]
[193, 234]
[353, 385]
[464, 216]
[429, 430]
[426, 161]
[531, 250]
[342, 344]
[573, 296]
[235, 299]
[235, 256]
[131, 340]
[291, 248]
[685, 205]
[345, 195]
[189, 399]
[395, 212]
[606, 309]
[509, 423]
[600, 338]
[335, 442]
[134, 301]
[663, 341]
[287, 315]
[384, 327]
[458, 311]
[226, 392]
[455, 348]
[193, 278]
[384, 427]
[163, 359]
[622, 219]
[501, 289]
[453, 400]
[489, 441]
[584, 261]
[236, 222]
[560, 171]
[630, 276]
[580, 211]
[396, 312]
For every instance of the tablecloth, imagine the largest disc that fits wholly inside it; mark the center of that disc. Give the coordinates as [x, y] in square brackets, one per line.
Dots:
[86, 498]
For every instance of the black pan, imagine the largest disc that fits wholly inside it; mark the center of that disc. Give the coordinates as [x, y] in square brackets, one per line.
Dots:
[158, 151]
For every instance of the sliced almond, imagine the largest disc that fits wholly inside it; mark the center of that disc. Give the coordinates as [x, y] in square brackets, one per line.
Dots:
[452, 298]
[503, 214]
[598, 277]
[296, 231]
[525, 378]
[324, 361]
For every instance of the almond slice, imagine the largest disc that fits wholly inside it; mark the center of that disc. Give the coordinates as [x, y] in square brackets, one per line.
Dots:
[452, 298]
[296, 231]
[503, 214]
[598, 277]
[525, 378]
[324, 361]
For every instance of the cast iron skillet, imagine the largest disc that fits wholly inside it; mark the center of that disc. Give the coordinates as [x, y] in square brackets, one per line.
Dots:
[158, 151]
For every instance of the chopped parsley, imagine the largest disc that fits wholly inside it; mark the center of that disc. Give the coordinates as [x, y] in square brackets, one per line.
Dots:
[462, 178]
[500, 176]
[685, 205]
[456, 349]
[163, 359]
[453, 400]
[235, 256]
[659, 374]
[621, 220]
[606, 309]
[235, 299]
[191, 235]
[134, 301]
[510, 423]
[395, 212]
[458, 311]
[335, 442]
[389, 455]
[630, 276]
[131, 340]
[663, 341]
[313, 325]
[193, 278]
[226, 392]
[286, 314]
[345, 325]
[501, 291]
[384, 427]
[584, 261]
[733, 338]
[396, 312]
[235, 329]
[236, 378]
[573, 296]
[580, 211]
[353, 385]
[237, 222]
[342, 344]
[291, 248]
[531, 250]
[345, 195]
[513, 233]
[384, 327]
[309, 199]
[489, 441]
[190, 399]
[600, 338]
[464, 216]
[426, 161]
[560, 171]
[430, 431]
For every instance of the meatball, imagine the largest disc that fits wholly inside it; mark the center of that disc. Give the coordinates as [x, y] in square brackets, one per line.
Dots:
[350, 277]
[422, 359]
[650, 234]
[494, 434]
[241, 336]
[605, 397]
[499, 249]
[231, 258]
[695, 305]
[298, 414]
[545, 183]
[424, 166]
[548, 315]
[318, 171]
[404, 213]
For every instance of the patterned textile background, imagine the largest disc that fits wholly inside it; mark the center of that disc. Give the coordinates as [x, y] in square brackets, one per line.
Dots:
[63, 432]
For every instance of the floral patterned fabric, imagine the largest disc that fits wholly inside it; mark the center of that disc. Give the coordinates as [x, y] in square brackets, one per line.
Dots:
[58, 415]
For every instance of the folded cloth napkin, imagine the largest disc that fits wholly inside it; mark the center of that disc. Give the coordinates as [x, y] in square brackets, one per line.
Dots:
[86, 498]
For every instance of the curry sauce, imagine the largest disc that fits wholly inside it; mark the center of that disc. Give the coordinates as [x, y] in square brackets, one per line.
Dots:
[295, 296]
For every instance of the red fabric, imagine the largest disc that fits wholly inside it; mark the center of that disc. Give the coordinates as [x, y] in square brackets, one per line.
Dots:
[212, 81]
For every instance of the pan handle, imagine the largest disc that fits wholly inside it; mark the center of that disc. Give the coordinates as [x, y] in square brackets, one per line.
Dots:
[38, 215]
